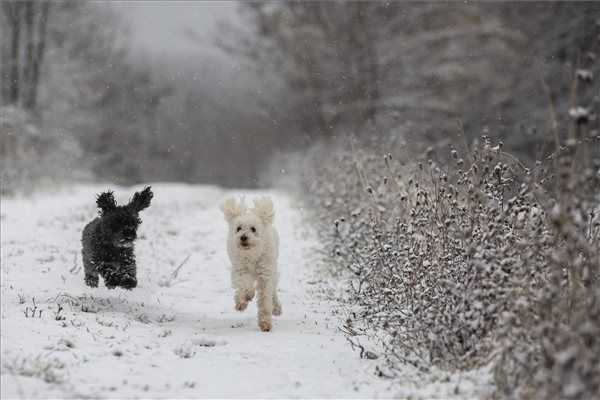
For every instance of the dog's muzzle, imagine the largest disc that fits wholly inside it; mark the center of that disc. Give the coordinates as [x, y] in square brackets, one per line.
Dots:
[244, 243]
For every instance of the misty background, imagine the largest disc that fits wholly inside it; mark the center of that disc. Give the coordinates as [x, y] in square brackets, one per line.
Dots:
[220, 92]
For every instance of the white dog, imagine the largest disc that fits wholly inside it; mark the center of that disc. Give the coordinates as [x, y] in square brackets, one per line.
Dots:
[253, 247]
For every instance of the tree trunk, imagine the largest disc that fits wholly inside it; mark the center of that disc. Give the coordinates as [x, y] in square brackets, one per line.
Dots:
[12, 12]
[35, 53]
[4, 57]
[29, 49]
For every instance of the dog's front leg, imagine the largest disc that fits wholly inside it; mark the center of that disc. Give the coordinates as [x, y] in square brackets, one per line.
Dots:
[91, 274]
[107, 271]
[265, 301]
[127, 276]
[128, 270]
[243, 284]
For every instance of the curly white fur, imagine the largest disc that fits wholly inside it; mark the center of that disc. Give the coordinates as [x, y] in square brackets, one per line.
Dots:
[253, 248]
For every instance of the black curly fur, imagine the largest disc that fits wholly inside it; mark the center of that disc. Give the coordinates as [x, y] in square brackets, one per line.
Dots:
[108, 241]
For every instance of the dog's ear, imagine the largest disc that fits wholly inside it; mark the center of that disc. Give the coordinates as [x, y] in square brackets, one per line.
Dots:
[231, 209]
[106, 202]
[263, 207]
[141, 200]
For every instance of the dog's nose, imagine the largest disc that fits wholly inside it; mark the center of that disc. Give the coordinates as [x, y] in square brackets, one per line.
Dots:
[243, 238]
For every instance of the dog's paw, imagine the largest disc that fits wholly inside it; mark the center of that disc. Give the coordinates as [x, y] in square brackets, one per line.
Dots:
[277, 309]
[264, 326]
[128, 282]
[241, 306]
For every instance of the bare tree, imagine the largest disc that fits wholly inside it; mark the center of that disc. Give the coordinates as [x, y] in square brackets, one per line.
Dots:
[13, 15]
[4, 57]
[351, 64]
[36, 20]
[327, 53]
[418, 67]
[23, 60]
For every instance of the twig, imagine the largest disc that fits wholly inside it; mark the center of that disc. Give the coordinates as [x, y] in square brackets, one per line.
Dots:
[176, 270]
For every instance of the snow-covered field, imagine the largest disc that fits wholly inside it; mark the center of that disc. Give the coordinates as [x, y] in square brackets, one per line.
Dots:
[172, 336]
[176, 334]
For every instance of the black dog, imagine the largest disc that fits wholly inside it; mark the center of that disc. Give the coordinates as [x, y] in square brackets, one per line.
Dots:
[108, 241]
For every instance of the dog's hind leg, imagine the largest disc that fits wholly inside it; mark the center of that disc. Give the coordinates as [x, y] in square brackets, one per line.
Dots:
[276, 304]
[91, 274]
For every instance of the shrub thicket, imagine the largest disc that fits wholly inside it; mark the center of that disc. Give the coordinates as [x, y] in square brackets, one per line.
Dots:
[465, 256]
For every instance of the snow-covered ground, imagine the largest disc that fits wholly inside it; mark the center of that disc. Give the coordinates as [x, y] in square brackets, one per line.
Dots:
[171, 336]
[176, 334]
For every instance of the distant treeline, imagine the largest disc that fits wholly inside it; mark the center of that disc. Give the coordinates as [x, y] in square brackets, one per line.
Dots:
[313, 70]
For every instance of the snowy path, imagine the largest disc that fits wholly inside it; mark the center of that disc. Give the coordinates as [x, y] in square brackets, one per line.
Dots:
[163, 339]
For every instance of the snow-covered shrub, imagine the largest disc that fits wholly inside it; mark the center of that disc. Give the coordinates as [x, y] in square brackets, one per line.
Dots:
[467, 256]
[548, 336]
[185, 350]
[51, 370]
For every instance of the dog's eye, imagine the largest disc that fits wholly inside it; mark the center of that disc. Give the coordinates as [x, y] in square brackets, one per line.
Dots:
[253, 229]
[239, 228]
